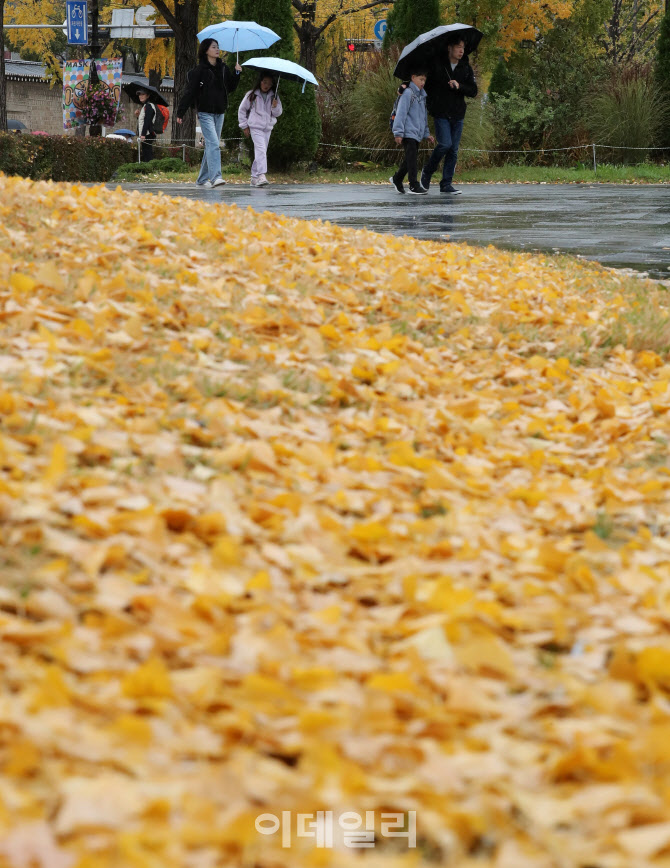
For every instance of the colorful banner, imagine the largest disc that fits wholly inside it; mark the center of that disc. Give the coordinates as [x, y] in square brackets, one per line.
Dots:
[75, 79]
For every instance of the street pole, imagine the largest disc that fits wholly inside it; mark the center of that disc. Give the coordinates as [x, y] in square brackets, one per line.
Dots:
[95, 44]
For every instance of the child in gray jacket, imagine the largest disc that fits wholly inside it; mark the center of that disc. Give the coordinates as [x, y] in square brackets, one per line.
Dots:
[409, 128]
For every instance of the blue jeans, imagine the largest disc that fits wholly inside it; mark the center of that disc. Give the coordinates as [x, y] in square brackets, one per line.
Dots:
[448, 134]
[211, 126]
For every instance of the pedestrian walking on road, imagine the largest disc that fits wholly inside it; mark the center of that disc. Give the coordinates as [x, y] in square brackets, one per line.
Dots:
[257, 115]
[448, 84]
[209, 84]
[409, 128]
[146, 115]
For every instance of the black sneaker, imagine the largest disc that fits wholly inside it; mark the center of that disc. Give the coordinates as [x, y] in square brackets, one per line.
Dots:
[397, 184]
[447, 188]
[417, 189]
[425, 180]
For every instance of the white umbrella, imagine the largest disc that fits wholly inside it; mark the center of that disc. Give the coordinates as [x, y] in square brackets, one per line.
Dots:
[284, 69]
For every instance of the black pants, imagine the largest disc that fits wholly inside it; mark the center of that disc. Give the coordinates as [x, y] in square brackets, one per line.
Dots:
[409, 162]
[147, 150]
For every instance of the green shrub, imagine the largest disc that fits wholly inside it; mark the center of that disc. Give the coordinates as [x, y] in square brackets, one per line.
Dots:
[408, 18]
[627, 112]
[166, 164]
[368, 108]
[62, 158]
[524, 119]
[502, 80]
[477, 138]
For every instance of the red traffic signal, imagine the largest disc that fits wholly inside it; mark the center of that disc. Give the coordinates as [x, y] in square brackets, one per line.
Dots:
[351, 46]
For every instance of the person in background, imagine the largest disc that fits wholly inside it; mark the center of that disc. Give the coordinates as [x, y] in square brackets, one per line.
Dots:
[146, 114]
[209, 84]
[409, 128]
[448, 84]
[257, 115]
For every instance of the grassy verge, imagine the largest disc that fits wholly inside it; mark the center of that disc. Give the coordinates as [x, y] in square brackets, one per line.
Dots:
[359, 173]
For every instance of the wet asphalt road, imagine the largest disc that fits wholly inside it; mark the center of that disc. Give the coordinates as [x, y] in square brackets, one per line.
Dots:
[619, 226]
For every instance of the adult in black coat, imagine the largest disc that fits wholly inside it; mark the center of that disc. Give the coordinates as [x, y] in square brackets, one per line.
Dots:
[146, 114]
[447, 86]
[208, 86]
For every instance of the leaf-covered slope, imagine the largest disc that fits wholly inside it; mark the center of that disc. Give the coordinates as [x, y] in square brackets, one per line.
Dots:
[298, 518]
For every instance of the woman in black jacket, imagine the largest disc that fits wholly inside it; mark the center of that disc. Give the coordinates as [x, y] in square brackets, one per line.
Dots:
[145, 125]
[447, 86]
[209, 84]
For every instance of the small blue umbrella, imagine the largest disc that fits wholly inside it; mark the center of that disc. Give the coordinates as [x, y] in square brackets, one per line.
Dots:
[284, 69]
[125, 132]
[240, 35]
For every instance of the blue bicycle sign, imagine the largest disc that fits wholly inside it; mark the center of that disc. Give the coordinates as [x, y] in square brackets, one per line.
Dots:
[77, 22]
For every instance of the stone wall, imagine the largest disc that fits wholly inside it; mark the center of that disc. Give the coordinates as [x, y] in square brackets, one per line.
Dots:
[40, 108]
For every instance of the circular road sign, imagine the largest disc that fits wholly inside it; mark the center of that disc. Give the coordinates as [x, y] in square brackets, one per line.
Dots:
[380, 28]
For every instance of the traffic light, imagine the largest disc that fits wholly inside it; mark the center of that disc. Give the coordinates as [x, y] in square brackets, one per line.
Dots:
[356, 45]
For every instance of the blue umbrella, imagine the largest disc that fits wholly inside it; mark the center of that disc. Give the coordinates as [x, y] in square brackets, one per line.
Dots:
[125, 132]
[240, 35]
[284, 69]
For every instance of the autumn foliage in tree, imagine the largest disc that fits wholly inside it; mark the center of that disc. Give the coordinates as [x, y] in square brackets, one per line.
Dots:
[507, 23]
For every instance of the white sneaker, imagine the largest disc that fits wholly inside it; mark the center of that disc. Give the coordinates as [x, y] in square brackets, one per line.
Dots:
[204, 184]
[218, 183]
[262, 181]
[255, 182]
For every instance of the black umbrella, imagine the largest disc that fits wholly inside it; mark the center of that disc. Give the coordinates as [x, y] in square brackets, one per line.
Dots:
[132, 88]
[433, 44]
[15, 125]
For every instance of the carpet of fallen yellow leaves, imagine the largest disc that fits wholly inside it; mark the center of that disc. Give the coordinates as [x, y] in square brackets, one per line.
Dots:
[295, 518]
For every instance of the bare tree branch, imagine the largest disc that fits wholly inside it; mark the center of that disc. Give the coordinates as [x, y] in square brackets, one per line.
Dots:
[166, 12]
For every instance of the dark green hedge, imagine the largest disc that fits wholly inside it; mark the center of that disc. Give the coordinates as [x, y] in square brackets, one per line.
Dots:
[167, 164]
[63, 158]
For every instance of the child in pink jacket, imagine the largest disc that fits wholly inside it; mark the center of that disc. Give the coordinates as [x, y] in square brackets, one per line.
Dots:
[257, 115]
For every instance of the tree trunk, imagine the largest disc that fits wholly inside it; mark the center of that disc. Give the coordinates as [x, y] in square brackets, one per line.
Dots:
[185, 58]
[308, 36]
[3, 81]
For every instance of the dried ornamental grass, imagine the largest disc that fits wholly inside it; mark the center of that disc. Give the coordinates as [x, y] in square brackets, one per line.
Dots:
[299, 518]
